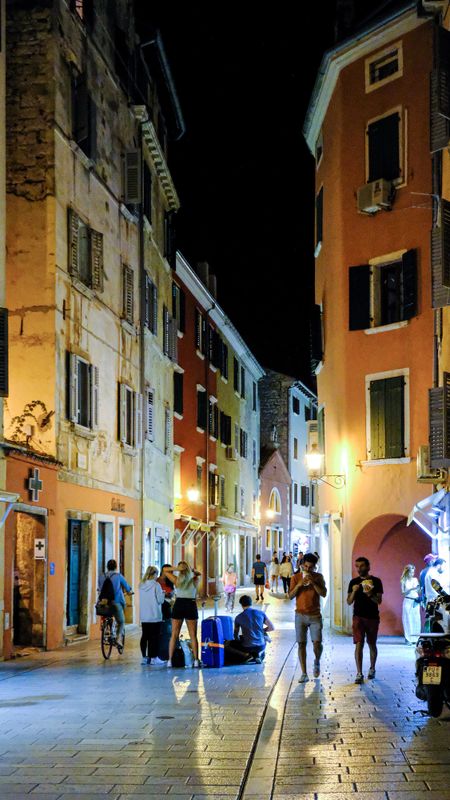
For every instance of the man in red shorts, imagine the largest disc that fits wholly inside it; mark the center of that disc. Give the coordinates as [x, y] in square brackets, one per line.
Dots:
[365, 593]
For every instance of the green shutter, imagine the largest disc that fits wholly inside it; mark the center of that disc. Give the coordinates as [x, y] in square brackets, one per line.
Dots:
[377, 418]
[394, 417]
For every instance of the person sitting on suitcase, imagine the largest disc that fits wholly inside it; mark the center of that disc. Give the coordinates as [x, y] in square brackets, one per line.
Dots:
[255, 625]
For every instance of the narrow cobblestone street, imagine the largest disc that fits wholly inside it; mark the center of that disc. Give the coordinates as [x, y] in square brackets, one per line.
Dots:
[73, 725]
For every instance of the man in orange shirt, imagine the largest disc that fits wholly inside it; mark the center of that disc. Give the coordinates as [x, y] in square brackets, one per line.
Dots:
[308, 586]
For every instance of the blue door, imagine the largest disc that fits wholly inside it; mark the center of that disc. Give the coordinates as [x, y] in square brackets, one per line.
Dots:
[73, 582]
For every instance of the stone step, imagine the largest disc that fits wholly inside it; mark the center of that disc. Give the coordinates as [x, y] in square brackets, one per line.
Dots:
[76, 638]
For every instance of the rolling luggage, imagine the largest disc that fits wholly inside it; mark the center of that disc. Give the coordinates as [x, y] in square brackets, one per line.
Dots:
[227, 626]
[164, 639]
[213, 652]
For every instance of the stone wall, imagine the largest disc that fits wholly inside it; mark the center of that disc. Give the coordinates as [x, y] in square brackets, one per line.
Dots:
[274, 399]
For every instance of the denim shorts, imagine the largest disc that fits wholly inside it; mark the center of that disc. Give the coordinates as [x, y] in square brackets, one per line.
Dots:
[305, 621]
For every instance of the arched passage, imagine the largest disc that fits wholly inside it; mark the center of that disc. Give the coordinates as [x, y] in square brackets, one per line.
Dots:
[389, 544]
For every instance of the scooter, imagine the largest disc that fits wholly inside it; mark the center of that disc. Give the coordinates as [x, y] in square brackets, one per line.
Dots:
[433, 654]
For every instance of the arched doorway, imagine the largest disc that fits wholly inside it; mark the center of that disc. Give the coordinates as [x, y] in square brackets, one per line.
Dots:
[389, 543]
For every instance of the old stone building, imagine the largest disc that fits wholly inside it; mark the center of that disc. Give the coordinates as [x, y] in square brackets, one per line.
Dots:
[90, 205]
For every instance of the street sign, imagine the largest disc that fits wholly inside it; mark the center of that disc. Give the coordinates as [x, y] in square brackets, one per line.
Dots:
[52, 567]
[39, 548]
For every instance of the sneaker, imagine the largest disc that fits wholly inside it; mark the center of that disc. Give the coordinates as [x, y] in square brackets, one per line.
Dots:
[316, 671]
[197, 663]
[145, 661]
[303, 678]
[157, 662]
[371, 673]
[359, 678]
[169, 664]
[120, 649]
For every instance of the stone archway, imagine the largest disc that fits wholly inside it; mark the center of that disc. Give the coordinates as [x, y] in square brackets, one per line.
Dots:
[389, 543]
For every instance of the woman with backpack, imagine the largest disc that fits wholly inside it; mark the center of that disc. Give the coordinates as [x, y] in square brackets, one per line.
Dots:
[185, 580]
[151, 598]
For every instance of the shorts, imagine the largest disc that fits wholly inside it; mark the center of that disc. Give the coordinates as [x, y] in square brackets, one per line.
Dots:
[305, 621]
[258, 580]
[184, 608]
[363, 627]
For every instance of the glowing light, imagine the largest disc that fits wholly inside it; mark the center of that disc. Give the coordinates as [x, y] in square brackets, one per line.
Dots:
[193, 495]
[314, 460]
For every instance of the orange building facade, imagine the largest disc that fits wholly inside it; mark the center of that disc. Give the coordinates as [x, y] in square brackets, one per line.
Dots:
[368, 127]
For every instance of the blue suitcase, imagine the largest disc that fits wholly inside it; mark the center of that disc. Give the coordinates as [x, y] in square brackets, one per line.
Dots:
[227, 627]
[213, 652]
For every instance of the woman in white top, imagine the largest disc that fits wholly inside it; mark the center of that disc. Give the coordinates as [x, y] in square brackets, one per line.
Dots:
[411, 606]
[274, 572]
[151, 598]
[286, 572]
[185, 580]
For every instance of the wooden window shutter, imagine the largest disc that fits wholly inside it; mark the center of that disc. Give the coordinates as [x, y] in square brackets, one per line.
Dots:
[377, 419]
[440, 259]
[316, 337]
[128, 294]
[167, 431]
[138, 421]
[359, 297]
[154, 309]
[178, 392]
[439, 424]
[97, 260]
[166, 332]
[73, 227]
[409, 285]
[439, 124]
[236, 374]
[147, 302]
[394, 417]
[198, 329]
[173, 339]
[224, 361]
[122, 412]
[243, 382]
[4, 353]
[149, 425]
[201, 410]
[73, 387]
[94, 386]
[132, 193]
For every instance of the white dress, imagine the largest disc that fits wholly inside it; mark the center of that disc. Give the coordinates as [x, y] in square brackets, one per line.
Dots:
[411, 610]
[274, 569]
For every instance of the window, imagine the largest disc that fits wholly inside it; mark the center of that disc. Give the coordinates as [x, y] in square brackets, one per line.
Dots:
[225, 428]
[178, 393]
[269, 539]
[130, 416]
[236, 498]
[151, 305]
[167, 431]
[201, 409]
[222, 492]
[169, 238]
[254, 458]
[85, 257]
[199, 479]
[149, 415]
[319, 148]
[384, 292]
[275, 501]
[307, 413]
[243, 443]
[200, 332]
[384, 158]
[255, 396]
[170, 339]
[242, 501]
[384, 67]
[440, 258]
[215, 348]
[83, 392]
[213, 489]
[243, 383]
[236, 374]
[387, 409]
[237, 438]
[319, 220]
[213, 419]
[224, 363]
[295, 405]
[295, 447]
[128, 294]
[84, 117]
[295, 494]
[178, 307]
[304, 495]
[439, 93]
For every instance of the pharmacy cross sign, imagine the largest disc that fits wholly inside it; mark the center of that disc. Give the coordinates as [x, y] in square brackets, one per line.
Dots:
[34, 484]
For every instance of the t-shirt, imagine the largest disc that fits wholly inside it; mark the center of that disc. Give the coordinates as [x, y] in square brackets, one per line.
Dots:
[251, 622]
[363, 606]
[307, 600]
[260, 568]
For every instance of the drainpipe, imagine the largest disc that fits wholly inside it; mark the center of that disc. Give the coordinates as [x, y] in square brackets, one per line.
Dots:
[141, 261]
[207, 435]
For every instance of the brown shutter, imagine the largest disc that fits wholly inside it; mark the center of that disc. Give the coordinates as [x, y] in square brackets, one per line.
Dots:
[439, 424]
[440, 259]
[128, 294]
[132, 191]
[97, 260]
[73, 227]
[439, 125]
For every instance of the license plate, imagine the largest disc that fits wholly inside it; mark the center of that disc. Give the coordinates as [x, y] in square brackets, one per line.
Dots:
[431, 674]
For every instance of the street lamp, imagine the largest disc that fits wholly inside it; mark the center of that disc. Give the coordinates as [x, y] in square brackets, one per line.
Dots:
[193, 494]
[314, 462]
[270, 513]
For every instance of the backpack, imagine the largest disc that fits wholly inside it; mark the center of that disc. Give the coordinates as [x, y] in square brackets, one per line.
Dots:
[178, 657]
[107, 591]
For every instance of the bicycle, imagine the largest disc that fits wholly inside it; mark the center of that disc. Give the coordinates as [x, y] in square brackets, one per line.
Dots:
[109, 637]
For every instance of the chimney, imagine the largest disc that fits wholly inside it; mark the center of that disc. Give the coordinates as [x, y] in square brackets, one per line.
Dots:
[345, 15]
[202, 270]
[212, 285]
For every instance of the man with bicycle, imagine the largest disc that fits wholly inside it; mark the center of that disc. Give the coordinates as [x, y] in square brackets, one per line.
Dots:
[118, 601]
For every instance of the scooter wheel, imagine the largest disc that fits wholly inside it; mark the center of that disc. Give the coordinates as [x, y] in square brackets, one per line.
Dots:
[435, 700]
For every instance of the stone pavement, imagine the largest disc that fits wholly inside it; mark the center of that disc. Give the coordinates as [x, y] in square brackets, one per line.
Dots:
[74, 726]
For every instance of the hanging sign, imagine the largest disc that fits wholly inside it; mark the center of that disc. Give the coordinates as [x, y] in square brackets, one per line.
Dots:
[39, 548]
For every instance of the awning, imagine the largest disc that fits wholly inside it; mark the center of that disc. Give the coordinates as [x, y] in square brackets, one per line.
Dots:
[432, 514]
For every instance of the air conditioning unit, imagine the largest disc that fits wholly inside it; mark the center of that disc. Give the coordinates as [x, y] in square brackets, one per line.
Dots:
[312, 433]
[232, 454]
[425, 473]
[375, 196]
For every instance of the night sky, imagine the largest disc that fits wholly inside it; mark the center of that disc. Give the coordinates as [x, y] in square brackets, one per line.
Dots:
[244, 76]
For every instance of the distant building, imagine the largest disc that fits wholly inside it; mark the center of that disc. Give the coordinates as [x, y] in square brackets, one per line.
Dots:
[275, 494]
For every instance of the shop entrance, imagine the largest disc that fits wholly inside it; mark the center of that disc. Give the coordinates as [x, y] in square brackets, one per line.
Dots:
[74, 573]
[126, 564]
[29, 582]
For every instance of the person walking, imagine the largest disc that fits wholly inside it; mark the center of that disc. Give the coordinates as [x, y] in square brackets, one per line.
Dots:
[259, 577]
[365, 594]
[411, 604]
[308, 586]
[286, 573]
[429, 561]
[151, 598]
[229, 580]
[185, 580]
[274, 572]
